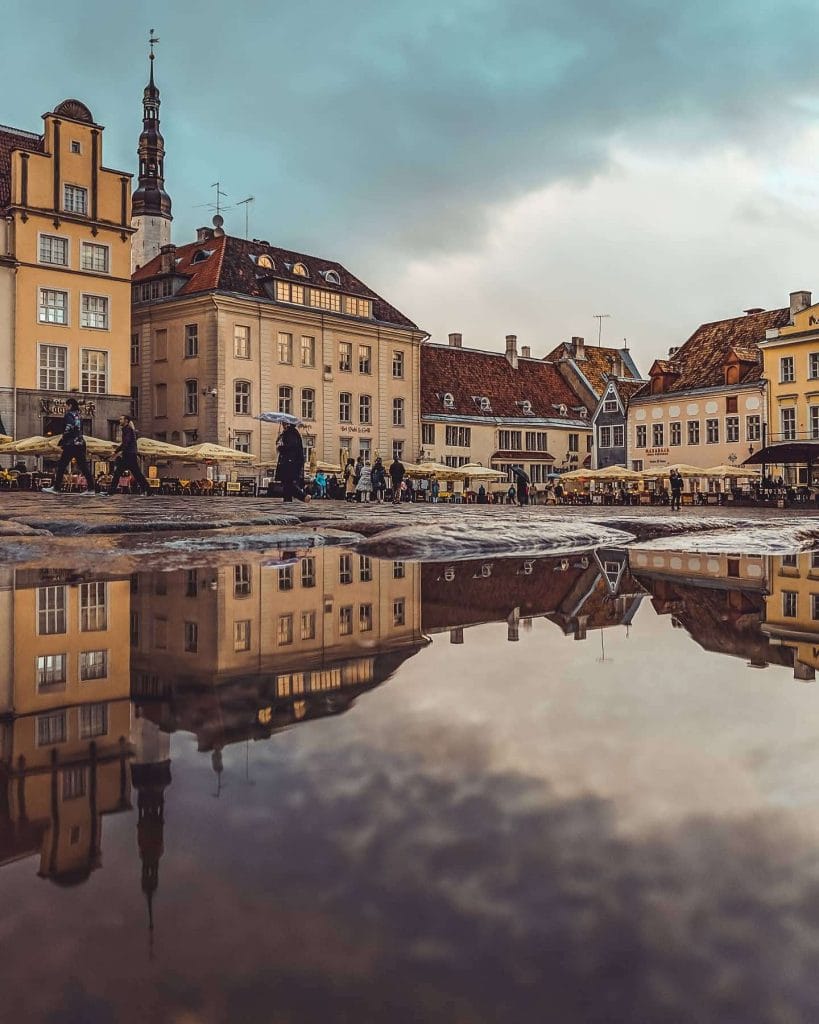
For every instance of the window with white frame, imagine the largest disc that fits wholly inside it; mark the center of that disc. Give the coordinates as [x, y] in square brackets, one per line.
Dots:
[51, 670]
[712, 431]
[75, 199]
[308, 571]
[398, 364]
[610, 404]
[53, 307]
[284, 631]
[813, 413]
[93, 665]
[191, 341]
[365, 618]
[54, 250]
[94, 371]
[813, 365]
[345, 356]
[427, 433]
[95, 257]
[398, 451]
[285, 399]
[308, 351]
[693, 431]
[241, 397]
[241, 580]
[94, 312]
[93, 720]
[241, 440]
[284, 577]
[51, 610]
[604, 437]
[753, 428]
[308, 403]
[365, 406]
[365, 569]
[241, 341]
[641, 431]
[732, 428]
[399, 570]
[52, 728]
[345, 568]
[458, 437]
[790, 604]
[814, 606]
[53, 373]
[786, 371]
[536, 441]
[788, 421]
[93, 606]
[308, 625]
[618, 436]
[241, 635]
[345, 620]
[365, 359]
[357, 307]
[657, 435]
[285, 346]
[398, 412]
[675, 433]
[345, 407]
[192, 397]
[399, 611]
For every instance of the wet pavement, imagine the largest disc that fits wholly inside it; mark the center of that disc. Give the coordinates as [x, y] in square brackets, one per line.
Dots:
[565, 769]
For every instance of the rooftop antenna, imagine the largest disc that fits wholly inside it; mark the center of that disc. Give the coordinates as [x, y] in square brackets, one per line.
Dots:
[600, 317]
[219, 194]
[246, 203]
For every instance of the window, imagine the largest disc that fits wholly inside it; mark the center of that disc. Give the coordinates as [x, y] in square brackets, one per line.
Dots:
[814, 606]
[308, 625]
[50, 610]
[459, 437]
[160, 345]
[574, 442]
[345, 356]
[161, 400]
[191, 583]
[75, 199]
[365, 359]
[345, 407]
[285, 398]
[813, 413]
[241, 580]
[53, 375]
[301, 270]
[93, 665]
[398, 412]
[93, 720]
[693, 431]
[399, 612]
[637, 465]
[325, 300]
[134, 403]
[790, 561]
[241, 635]
[398, 450]
[191, 637]
[399, 570]
[789, 604]
[345, 568]
[51, 728]
[813, 365]
[308, 404]
[619, 436]
[786, 374]
[364, 409]
[398, 365]
[134, 350]
[241, 397]
[753, 428]
[604, 437]
[241, 341]
[536, 441]
[94, 257]
[712, 431]
[365, 569]
[54, 250]
[284, 577]
[357, 307]
[308, 571]
[284, 631]
[51, 670]
[657, 435]
[732, 428]
[133, 629]
[308, 351]
[94, 371]
[53, 306]
[241, 440]
[365, 617]
[73, 782]
[285, 348]
[641, 436]
[93, 607]
[788, 418]
[427, 433]
[191, 341]
[191, 397]
[345, 620]
[94, 312]
[675, 432]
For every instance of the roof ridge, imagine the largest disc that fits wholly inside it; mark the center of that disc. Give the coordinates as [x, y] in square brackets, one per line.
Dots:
[20, 131]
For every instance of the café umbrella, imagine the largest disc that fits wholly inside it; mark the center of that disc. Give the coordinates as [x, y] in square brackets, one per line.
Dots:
[732, 472]
[207, 452]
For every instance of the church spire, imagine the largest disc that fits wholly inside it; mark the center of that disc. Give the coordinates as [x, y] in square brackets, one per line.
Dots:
[151, 204]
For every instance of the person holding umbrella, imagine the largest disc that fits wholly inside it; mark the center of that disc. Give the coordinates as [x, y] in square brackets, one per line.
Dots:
[73, 445]
[290, 464]
[522, 485]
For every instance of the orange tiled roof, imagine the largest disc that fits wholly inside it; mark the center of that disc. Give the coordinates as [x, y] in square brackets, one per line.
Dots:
[11, 139]
[597, 366]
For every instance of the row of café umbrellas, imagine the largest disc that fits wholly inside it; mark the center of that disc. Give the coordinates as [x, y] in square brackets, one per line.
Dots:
[146, 446]
[614, 474]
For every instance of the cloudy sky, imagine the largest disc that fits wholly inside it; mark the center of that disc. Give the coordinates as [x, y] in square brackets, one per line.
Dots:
[490, 166]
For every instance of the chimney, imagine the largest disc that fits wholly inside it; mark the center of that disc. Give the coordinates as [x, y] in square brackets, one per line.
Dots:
[799, 301]
[167, 261]
[512, 350]
[617, 365]
[456, 341]
[526, 351]
[753, 309]
[204, 234]
[579, 349]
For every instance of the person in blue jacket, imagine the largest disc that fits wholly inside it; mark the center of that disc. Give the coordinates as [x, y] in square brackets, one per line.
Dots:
[72, 443]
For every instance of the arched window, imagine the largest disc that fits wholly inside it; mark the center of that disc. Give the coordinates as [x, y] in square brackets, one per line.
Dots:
[365, 404]
[331, 277]
[265, 262]
[241, 397]
[191, 397]
[301, 270]
[285, 398]
[732, 373]
[308, 404]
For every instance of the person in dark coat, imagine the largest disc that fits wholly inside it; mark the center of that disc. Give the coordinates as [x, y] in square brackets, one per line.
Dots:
[379, 479]
[676, 481]
[290, 465]
[396, 476]
[73, 445]
[126, 457]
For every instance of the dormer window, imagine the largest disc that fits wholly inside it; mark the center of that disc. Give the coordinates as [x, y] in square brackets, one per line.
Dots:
[732, 373]
[265, 262]
[525, 407]
[610, 404]
[482, 403]
[201, 255]
[331, 277]
[448, 400]
[300, 270]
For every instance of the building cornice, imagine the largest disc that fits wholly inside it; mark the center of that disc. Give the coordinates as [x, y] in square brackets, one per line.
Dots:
[757, 385]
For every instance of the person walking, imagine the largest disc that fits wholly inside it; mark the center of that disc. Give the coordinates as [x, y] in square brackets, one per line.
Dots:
[379, 475]
[126, 457]
[396, 478]
[290, 464]
[676, 481]
[349, 480]
[73, 447]
[434, 490]
[364, 486]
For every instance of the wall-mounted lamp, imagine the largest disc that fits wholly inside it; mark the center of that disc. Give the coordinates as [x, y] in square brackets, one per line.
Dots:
[213, 391]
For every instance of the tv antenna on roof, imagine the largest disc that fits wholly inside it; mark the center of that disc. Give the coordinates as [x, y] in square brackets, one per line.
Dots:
[219, 194]
[600, 317]
[246, 203]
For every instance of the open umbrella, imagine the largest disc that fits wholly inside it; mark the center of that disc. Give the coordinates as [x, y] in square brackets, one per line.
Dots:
[521, 474]
[6, 438]
[284, 418]
[152, 449]
[615, 473]
[207, 452]
[732, 472]
[475, 472]
[682, 468]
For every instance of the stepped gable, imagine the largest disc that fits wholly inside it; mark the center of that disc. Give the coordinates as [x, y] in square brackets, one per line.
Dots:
[231, 266]
[701, 361]
[11, 139]
[466, 373]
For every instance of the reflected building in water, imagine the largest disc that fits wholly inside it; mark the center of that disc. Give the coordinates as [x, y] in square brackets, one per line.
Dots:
[792, 609]
[65, 717]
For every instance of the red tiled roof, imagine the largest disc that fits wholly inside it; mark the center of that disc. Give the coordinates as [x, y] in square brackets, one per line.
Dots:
[231, 266]
[701, 360]
[597, 366]
[466, 373]
[627, 388]
[11, 139]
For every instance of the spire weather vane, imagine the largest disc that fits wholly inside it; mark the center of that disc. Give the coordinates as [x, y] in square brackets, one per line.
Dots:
[152, 39]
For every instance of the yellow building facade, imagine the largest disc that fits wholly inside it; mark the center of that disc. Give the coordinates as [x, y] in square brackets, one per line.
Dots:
[65, 241]
[792, 609]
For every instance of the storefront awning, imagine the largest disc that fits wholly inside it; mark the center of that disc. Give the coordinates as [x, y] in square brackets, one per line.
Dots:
[786, 453]
[514, 456]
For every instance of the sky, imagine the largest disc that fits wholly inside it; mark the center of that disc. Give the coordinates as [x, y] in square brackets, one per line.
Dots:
[489, 167]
